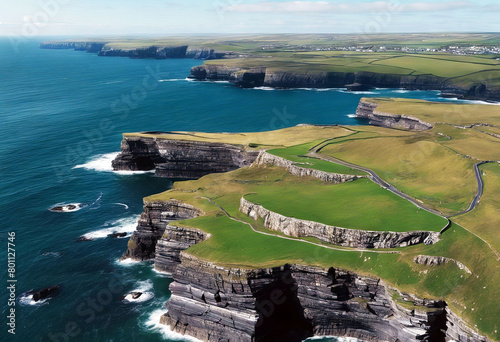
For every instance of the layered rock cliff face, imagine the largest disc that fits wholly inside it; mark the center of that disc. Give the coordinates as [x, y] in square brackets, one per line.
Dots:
[180, 158]
[266, 158]
[293, 302]
[291, 79]
[335, 235]
[157, 52]
[151, 226]
[173, 241]
[368, 110]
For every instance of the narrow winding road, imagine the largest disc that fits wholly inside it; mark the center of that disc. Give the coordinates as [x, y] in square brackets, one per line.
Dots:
[313, 153]
[375, 178]
[480, 189]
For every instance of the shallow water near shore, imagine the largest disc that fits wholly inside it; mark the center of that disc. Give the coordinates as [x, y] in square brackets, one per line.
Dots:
[63, 113]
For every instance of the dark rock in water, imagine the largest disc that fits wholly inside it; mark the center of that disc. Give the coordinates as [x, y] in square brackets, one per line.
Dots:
[358, 87]
[84, 238]
[117, 235]
[45, 293]
[134, 295]
[64, 208]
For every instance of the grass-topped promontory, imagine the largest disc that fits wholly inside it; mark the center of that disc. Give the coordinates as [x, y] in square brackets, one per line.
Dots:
[360, 204]
[463, 114]
[235, 244]
[269, 139]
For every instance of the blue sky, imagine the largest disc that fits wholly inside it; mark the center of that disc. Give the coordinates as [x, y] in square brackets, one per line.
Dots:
[148, 17]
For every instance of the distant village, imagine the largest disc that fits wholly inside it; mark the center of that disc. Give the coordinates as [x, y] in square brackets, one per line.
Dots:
[456, 50]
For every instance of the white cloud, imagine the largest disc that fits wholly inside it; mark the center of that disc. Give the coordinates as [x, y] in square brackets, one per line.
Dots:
[325, 6]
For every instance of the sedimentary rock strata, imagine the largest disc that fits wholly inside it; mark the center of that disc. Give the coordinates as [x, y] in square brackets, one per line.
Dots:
[180, 158]
[266, 158]
[293, 302]
[268, 77]
[368, 110]
[335, 235]
[151, 226]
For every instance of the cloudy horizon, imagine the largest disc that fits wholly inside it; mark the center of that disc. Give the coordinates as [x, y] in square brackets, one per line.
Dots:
[156, 17]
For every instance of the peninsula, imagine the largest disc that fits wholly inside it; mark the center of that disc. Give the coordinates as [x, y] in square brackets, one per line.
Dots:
[358, 231]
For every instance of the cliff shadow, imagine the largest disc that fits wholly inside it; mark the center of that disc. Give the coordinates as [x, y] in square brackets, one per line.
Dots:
[281, 316]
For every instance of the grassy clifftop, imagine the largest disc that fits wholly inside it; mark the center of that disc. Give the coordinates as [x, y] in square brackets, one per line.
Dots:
[433, 166]
[435, 112]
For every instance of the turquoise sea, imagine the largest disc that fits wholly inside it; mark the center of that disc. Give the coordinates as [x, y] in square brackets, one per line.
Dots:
[62, 113]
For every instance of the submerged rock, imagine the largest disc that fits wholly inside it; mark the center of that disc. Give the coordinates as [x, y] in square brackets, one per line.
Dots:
[47, 292]
[84, 238]
[133, 295]
[117, 235]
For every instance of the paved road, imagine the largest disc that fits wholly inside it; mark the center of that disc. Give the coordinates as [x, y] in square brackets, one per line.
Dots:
[375, 178]
[480, 189]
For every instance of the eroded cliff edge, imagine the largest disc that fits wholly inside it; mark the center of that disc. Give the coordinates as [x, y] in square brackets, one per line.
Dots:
[214, 302]
[368, 110]
[293, 302]
[180, 159]
[335, 235]
[249, 77]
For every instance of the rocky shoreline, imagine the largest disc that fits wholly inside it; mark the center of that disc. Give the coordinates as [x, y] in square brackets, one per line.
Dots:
[244, 77]
[180, 159]
[251, 77]
[288, 303]
[368, 110]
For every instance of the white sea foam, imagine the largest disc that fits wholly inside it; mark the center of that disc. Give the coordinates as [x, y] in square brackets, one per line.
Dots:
[127, 262]
[27, 299]
[351, 115]
[102, 163]
[145, 288]
[363, 92]
[264, 88]
[122, 204]
[153, 324]
[68, 207]
[173, 80]
[123, 225]
[401, 91]
[162, 274]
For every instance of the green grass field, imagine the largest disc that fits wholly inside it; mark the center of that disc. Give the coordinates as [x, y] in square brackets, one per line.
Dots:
[286, 42]
[296, 154]
[417, 165]
[234, 244]
[271, 139]
[360, 204]
[434, 112]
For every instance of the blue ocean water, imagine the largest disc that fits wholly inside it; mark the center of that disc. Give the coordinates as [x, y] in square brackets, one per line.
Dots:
[62, 114]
